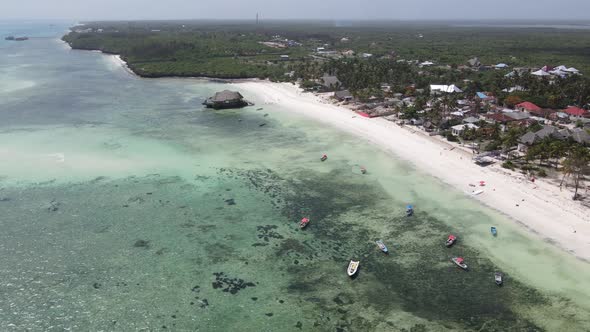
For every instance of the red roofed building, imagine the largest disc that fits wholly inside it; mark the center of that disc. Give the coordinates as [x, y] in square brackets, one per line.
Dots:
[527, 106]
[534, 109]
[575, 111]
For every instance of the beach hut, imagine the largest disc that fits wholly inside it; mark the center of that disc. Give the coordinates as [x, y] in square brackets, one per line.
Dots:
[343, 95]
[226, 99]
[330, 82]
[444, 88]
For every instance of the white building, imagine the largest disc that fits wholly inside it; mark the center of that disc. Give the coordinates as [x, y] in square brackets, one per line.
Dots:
[445, 88]
[458, 129]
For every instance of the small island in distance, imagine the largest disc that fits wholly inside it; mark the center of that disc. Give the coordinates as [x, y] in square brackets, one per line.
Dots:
[12, 38]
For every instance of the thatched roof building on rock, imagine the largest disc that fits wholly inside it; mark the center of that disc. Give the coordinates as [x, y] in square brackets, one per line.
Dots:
[226, 99]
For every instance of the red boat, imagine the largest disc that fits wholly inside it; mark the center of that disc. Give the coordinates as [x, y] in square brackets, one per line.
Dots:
[459, 262]
[324, 158]
[304, 222]
[451, 240]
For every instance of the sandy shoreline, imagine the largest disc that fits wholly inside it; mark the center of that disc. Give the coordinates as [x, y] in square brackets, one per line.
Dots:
[541, 207]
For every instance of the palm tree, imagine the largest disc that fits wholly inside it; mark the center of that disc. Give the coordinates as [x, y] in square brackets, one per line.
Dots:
[510, 139]
[556, 150]
[575, 165]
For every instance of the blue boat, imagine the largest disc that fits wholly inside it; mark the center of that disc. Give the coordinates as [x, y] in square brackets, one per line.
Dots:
[409, 210]
[494, 231]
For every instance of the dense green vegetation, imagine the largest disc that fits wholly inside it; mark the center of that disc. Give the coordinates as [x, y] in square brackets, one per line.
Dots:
[242, 50]
[233, 49]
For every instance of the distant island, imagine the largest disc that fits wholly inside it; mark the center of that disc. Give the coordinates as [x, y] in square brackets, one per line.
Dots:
[12, 38]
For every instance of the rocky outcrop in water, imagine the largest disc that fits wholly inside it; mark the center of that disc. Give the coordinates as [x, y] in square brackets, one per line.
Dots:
[226, 99]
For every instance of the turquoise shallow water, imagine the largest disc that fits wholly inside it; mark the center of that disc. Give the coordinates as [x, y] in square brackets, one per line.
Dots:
[126, 206]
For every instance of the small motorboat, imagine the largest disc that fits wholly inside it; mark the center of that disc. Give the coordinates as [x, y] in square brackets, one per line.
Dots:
[259, 109]
[477, 192]
[304, 222]
[494, 231]
[409, 210]
[459, 262]
[363, 170]
[353, 267]
[451, 240]
[324, 158]
[382, 246]
[498, 278]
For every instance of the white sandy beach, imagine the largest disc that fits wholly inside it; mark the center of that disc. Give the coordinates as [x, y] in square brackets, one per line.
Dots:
[538, 206]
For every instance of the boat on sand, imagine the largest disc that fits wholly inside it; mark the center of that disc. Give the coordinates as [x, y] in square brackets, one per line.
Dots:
[382, 246]
[304, 222]
[451, 240]
[459, 262]
[353, 267]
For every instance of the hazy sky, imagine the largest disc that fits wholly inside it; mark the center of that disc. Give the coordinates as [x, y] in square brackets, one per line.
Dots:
[306, 9]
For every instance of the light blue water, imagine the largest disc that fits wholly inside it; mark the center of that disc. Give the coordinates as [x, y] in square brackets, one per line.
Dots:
[127, 206]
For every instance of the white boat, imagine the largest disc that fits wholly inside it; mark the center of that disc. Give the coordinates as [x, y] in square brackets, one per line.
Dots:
[382, 246]
[459, 262]
[451, 240]
[353, 267]
[477, 192]
[304, 222]
[498, 278]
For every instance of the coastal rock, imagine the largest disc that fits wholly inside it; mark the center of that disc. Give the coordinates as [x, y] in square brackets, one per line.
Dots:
[226, 99]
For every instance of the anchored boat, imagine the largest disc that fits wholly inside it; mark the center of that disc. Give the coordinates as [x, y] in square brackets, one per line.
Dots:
[363, 170]
[498, 278]
[494, 231]
[324, 158]
[409, 210]
[304, 222]
[382, 246]
[451, 240]
[353, 267]
[459, 262]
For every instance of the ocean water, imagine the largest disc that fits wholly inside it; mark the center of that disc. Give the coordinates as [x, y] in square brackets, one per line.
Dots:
[127, 206]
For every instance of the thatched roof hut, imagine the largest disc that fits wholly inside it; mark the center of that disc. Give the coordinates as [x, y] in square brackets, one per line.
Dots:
[226, 99]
